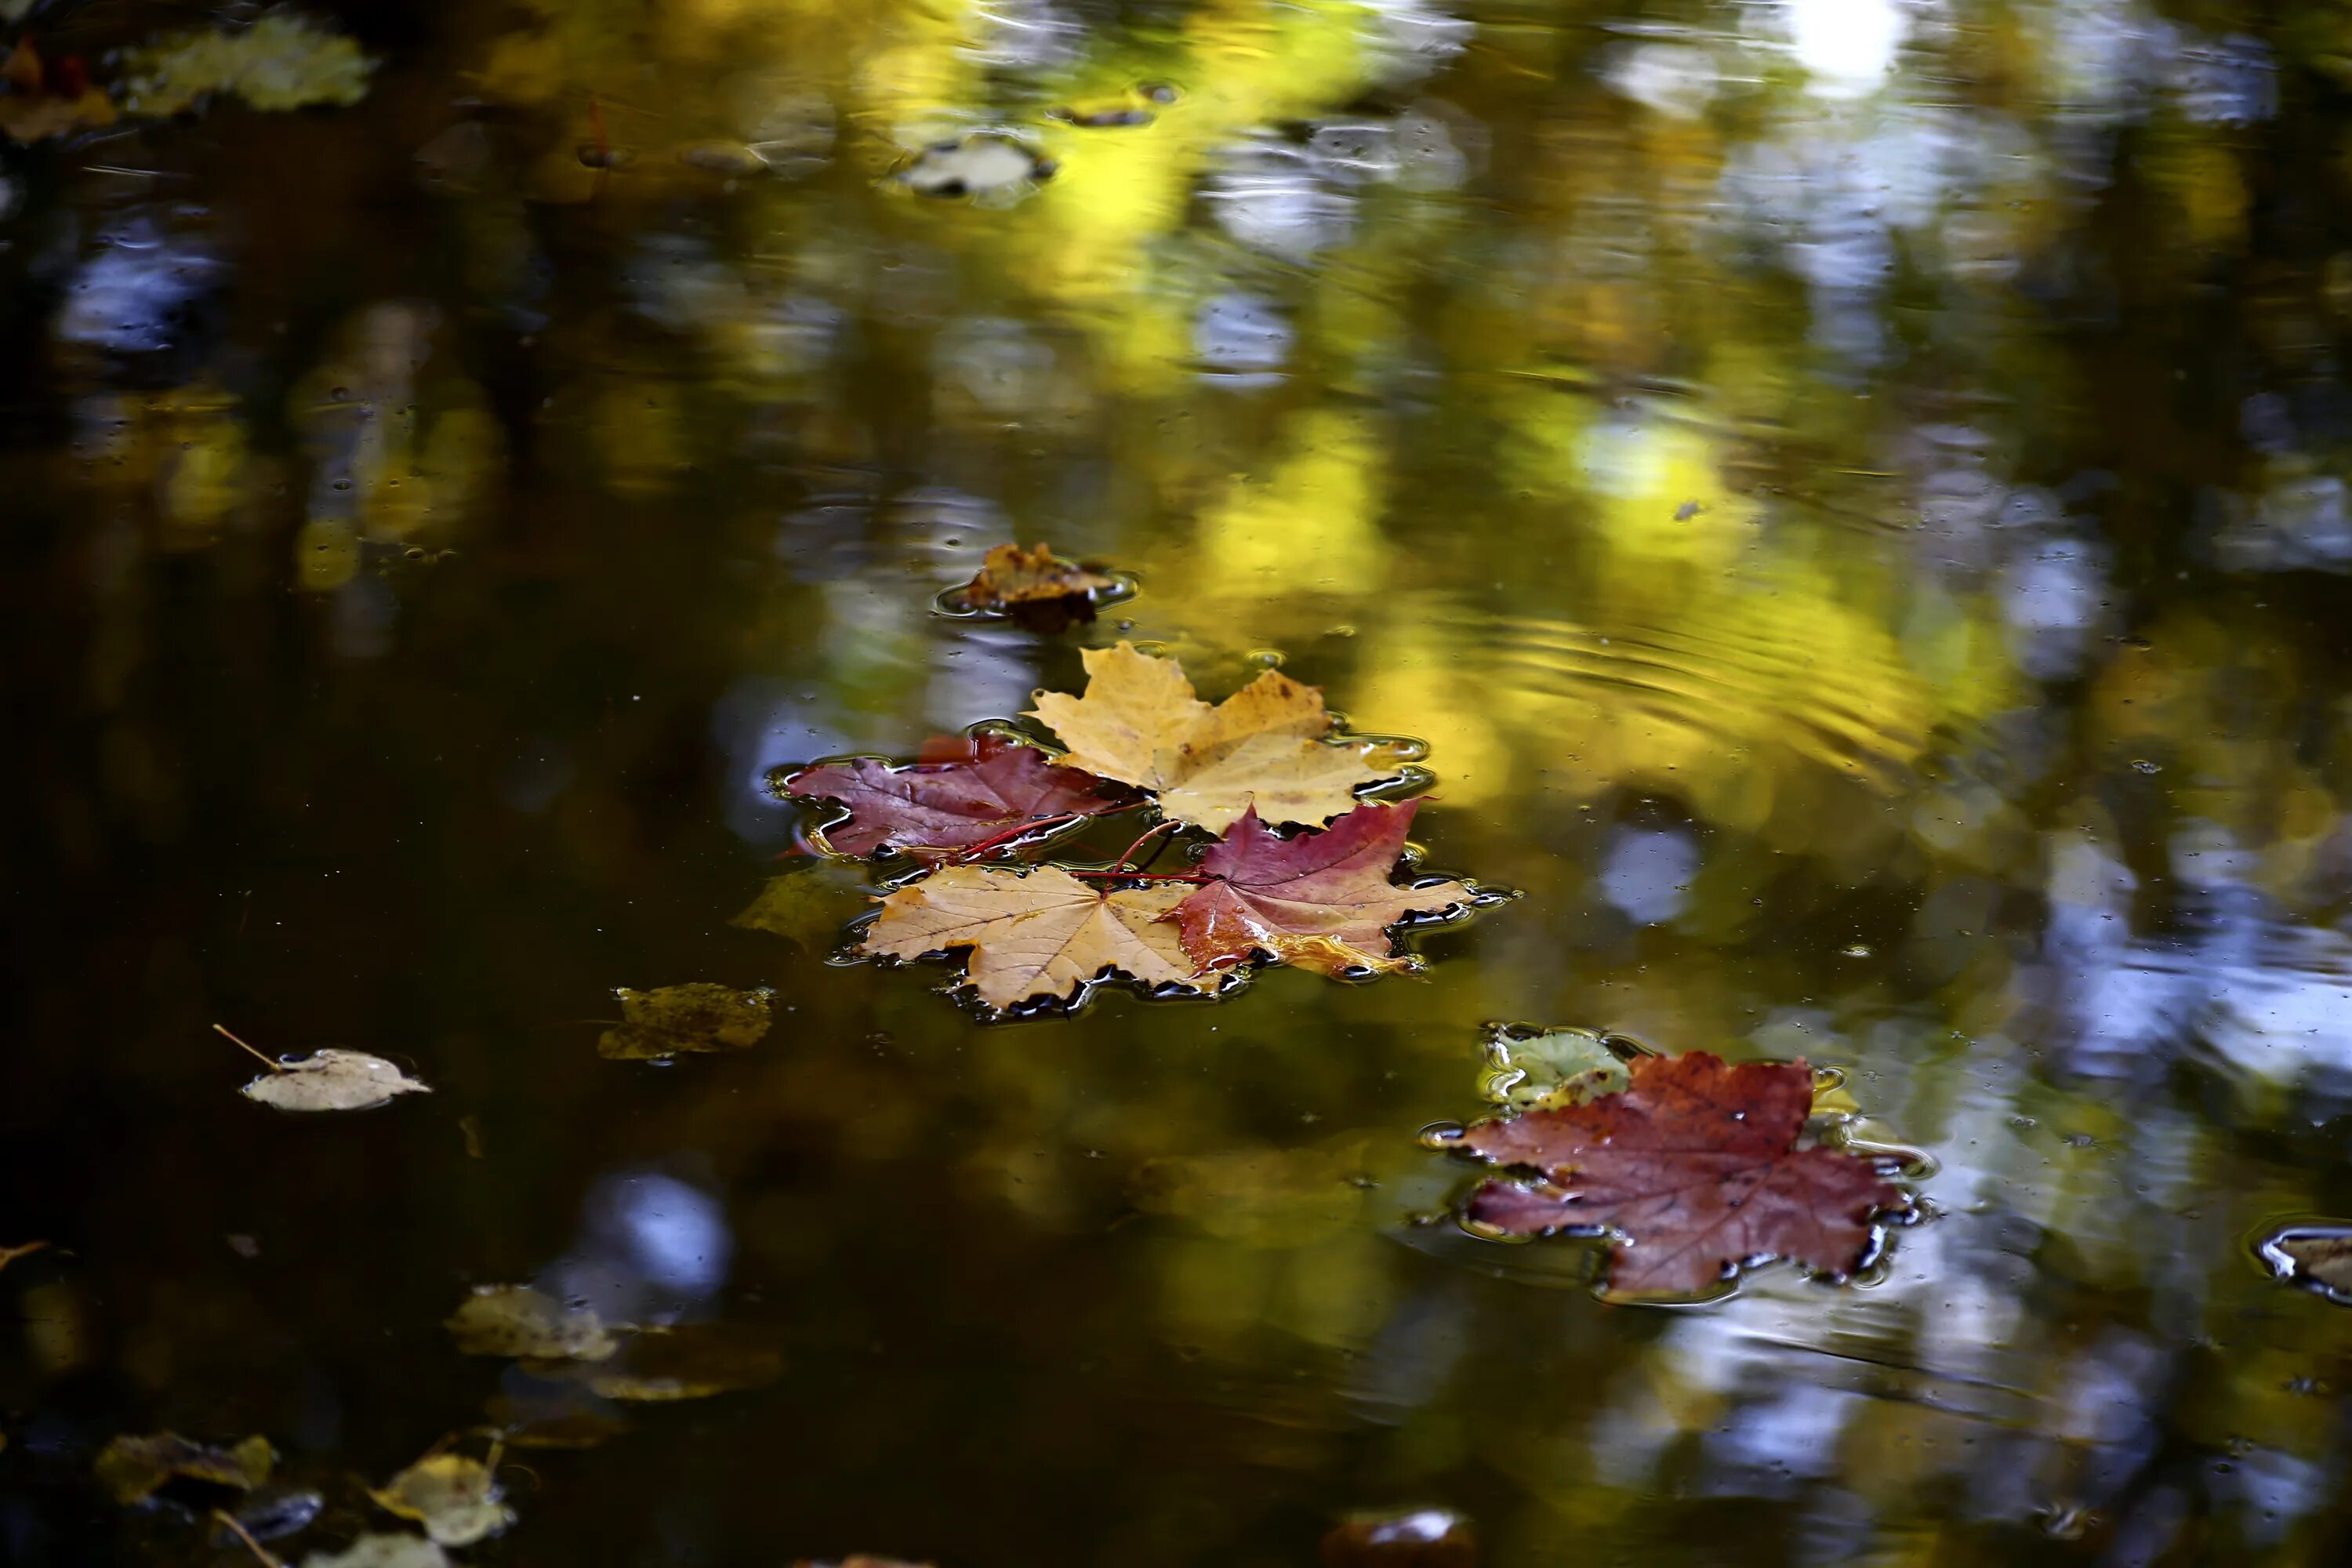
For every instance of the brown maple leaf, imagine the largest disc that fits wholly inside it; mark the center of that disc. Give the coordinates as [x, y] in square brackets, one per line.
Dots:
[1264, 746]
[1036, 933]
[991, 790]
[1321, 900]
[1035, 586]
[1696, 1169]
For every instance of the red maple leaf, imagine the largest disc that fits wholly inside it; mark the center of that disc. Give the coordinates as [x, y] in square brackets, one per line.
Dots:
[1321, 900]
[1695, 1168]
[991, 788]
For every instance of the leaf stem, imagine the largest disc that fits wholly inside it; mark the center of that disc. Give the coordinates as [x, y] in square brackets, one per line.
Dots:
[270, 1063]
[1129, 853]
[231, 1521]
[1196, 878]
[1034, 824]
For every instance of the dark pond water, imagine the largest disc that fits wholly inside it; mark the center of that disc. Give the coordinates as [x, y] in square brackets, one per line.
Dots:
[1853, 495]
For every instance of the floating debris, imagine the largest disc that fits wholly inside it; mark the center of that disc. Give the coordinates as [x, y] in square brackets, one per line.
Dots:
[990, 167]
[330, 1079]
[1535, 1069]
[2316, 1256]
[1035, 588]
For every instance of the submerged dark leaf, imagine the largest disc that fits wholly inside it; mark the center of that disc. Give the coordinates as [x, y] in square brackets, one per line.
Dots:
[808, 906]
[696, 1016]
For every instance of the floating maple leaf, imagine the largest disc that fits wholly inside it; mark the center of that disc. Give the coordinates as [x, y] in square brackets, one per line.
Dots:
[1034, 587]
[1036, 933]
[457, 1499]
[1696, 1168]
[993, 789]
[1264, 746]
[1322, 900]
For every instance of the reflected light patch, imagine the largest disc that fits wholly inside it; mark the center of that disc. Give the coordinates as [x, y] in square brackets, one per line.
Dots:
[1848, 45]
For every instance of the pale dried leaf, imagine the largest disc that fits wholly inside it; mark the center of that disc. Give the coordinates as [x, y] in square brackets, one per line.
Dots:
[384, 1551]
[334, 1079]
[2326, 1259]
[455, 1498]
[1038, 933]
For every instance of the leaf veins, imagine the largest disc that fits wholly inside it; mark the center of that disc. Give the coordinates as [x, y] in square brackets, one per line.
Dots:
[938, 807]
[1036, 933]
[1694, 1168]
[1321, 900]
[1262, 747]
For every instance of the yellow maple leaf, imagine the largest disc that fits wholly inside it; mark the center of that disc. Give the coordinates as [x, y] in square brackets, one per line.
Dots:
[1139, 722]
[1038, 933]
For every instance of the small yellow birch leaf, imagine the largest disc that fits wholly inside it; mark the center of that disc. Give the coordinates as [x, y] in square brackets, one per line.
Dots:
[517, 1321]
[456, 1498]
[1139, 722]
[134, 1467]
[662, 1365]
[1038, 933]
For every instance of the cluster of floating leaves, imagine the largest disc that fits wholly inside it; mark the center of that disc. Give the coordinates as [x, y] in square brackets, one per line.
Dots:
[1140, 739]
[282, 61]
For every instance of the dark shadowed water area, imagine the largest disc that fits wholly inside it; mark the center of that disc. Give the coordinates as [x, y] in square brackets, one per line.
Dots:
[1851, 493]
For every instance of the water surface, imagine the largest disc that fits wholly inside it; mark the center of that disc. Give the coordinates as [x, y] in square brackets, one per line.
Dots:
[1853, 495]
